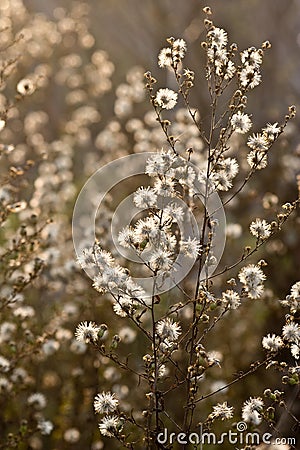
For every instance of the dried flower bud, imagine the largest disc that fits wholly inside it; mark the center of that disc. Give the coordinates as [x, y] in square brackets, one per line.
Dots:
[208, 23]
[266, 45]
[207, 10]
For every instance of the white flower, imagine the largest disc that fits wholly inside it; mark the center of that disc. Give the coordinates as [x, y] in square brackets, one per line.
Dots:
[145, 197]
[231, 299]
[222, 411]
[240, 122]
[126, 237]
[218, 56]
[109, 426]
[272, 342]
[179, 48]
[271, 131]
[222, 180]
[249, 77]
[295, 351]
[169, 55]
[105, 402]
[251, 410]
[37, 400]
[160, 163]
[86, 259]
[125, 306]
[165, 187]
[217, 37]
[45, 426]
[190, 247]
[257, 159]
[168, 329]
[258, 142]
[291, 332]
[230, 167]
[251, 57]
[87, 332]
[295, 291]
[161, 259]
[252, 277]
[166, 98]
[144, 227]
[165, 57]
[230, 70]
[175, 212]
[260, 228]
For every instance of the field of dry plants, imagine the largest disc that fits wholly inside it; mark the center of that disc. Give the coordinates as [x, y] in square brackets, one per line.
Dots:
[149, 225]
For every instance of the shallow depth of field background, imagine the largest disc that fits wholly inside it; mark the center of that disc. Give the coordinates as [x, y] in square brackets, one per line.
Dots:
[69, 127]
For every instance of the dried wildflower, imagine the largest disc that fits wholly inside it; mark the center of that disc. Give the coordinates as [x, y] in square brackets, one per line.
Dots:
[45, 426]
[166, 98]
[87, 332]
[190, 247]
[168, 329]
[257, 159]
[37, 400]
[272, 342]
[251, 410]
[271, 131]
[160, 163]
[145, 198]
[252, 277]
[222, 411]
[179, 48]
[258, 142]
[293, 300]
[230, 167]
[241, 122]
[125, 306]
[165, 58]
[231, 299]
[291, 332]
[86, 259]
[249, 77]
[105, 402]
[252, 57]
[260, 228]
[217, 37]
[126, 237]
[295, 291]
[109, 426]
[295, 351]
[161, 259]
